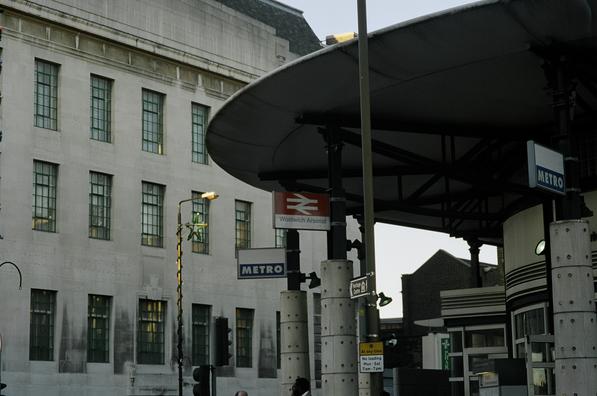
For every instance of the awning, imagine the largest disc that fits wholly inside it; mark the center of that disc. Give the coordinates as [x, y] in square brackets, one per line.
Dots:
[454, 97]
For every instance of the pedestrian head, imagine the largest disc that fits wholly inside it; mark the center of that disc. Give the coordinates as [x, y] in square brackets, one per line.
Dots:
[241, 393]
[300, 386]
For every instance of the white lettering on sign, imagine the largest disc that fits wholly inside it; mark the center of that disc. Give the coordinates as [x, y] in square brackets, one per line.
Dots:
[301, 204]
[261, 269]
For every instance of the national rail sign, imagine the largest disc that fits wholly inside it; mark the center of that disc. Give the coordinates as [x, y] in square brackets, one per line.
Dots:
[546, 169]
[261, 263]
[301, 211]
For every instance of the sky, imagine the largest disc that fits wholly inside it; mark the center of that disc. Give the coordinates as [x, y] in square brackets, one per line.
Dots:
[398, 250]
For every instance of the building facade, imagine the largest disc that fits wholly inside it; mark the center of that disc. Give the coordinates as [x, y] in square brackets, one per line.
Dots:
[103, 113]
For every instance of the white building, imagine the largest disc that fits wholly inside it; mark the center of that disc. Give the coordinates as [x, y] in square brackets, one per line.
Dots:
[103, 110]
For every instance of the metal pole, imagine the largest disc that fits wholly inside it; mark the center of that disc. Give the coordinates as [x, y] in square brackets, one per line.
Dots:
[179, 295]
[372, 312]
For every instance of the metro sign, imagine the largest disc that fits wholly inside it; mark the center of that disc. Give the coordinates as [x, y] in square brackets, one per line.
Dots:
[301, 211]
[546, 169]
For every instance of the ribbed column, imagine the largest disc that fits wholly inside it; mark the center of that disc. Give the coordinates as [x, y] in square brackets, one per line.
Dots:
[575, 321]
[338, 330]
[294, 343]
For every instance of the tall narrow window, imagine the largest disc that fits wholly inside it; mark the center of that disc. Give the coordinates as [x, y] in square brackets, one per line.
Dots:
[201, 219]
[98, 329]
[153, 121]
[46, 94]
[317, 337]
[100, 204]
[201, 315]
[41, 330]
[45, 176]
[244, 337]
[150, 338]
[199, 116]
[280, 235]
[152, 215]
[243, 224]
[101, 109]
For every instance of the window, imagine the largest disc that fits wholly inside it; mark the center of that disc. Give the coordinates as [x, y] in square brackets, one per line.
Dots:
[41, 331]
[199, 115]
[244, 337]
[152, 215]
[200, 216]
[46, 94]
[529, 323]
[153, 120]
[201, 315]
[150, 345]
[101, 109]
[100, 204]
[317, 338]
[243, 224]
[280, 238]
[98, 329]
[484, 338]
[44, 196]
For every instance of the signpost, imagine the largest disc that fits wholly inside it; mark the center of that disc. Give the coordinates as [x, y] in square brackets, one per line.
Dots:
[301, 211]
[546, 169]
[261, 263]
[359, 287]
[371, 357]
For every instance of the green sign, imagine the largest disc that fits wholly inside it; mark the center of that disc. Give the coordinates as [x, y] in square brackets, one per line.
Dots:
[445, 345]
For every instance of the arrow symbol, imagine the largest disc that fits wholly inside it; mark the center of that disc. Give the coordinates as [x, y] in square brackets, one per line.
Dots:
[301, 204]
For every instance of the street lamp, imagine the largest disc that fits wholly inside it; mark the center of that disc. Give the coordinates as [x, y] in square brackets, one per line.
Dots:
[210, 196]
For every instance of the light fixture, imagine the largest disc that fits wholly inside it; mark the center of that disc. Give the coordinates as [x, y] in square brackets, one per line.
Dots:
[540, 248]
[383, 299]
[210, 195]
[315, 281]
[339, 38]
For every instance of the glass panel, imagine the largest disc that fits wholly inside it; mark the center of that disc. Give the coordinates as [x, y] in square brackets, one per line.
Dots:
[521, 350]
[456, 341]
[199, 118]
[456, 366]
[46, 93]
[529, 323]
[201, 317]
[152, 124]
[100, 203]
[484, 338]
[243, 224]
[41, 327]
[457, 388]
[150, 339]
[98, 329]
[475, 360]
[280, 235]
[542, 352]
[474, 388]
[152, 222]
[101, 105]
[543, 381]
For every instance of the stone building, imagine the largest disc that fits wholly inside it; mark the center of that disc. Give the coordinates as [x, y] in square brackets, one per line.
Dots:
[103, 113]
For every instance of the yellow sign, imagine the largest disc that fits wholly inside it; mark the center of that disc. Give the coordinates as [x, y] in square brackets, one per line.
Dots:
[370, 348]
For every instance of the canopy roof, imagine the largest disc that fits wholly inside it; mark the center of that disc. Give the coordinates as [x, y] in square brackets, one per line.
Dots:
[454, 97]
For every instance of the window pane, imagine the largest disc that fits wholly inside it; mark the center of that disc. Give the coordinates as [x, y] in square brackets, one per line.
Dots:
[201, 316]
[41, 331]
[101, 105]
[98, 329]
[100, 205]
[457, 388]
[199, 119]
[530, 323]
[152, 221]
[244, 337]
[484, 338]
[201, 224]
[243, 224]
[280, 238]
[456, 341]
[44, 196]
[543, 381]
[150, 338]
[46, 94]
[152, 123]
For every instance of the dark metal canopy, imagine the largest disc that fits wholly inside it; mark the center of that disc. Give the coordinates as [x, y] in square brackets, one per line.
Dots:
[454, 97]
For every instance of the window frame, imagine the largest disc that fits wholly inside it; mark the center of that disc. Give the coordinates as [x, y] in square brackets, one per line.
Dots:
[38, 352]
[199, 117]
[152, 114]
[44, 202]
[197, 325]
[152, 239]
[45, 114]
[244, 337]
[101, 133]
[148, 352]
[106, 207]
[94, 354]
[242, 235]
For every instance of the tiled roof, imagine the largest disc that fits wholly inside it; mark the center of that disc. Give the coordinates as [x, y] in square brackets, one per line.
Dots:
[288, 22]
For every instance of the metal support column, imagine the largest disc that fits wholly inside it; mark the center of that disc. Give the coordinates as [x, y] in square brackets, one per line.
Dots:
[294, 330]
[474, 248]
[575, 321]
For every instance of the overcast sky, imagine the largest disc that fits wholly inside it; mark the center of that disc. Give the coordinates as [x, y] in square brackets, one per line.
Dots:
[399, 250]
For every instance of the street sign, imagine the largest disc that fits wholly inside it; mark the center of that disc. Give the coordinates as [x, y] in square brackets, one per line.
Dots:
[546, 169]
[301, 211]
[371, 357]
[261, 263]
[359, 287]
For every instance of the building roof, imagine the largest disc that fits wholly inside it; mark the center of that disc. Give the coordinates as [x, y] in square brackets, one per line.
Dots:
[441, 255]
[288, 22]
[454, 98]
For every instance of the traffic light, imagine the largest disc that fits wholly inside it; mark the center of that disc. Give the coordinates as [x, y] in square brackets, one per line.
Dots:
[201, 375]
[223, 342]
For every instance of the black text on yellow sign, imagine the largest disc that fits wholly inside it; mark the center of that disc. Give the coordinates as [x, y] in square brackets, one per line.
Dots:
[370, 348]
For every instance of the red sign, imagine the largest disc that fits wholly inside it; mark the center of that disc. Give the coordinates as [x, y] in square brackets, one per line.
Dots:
[301, 211]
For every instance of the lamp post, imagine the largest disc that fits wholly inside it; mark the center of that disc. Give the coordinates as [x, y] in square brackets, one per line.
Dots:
[210, 196]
